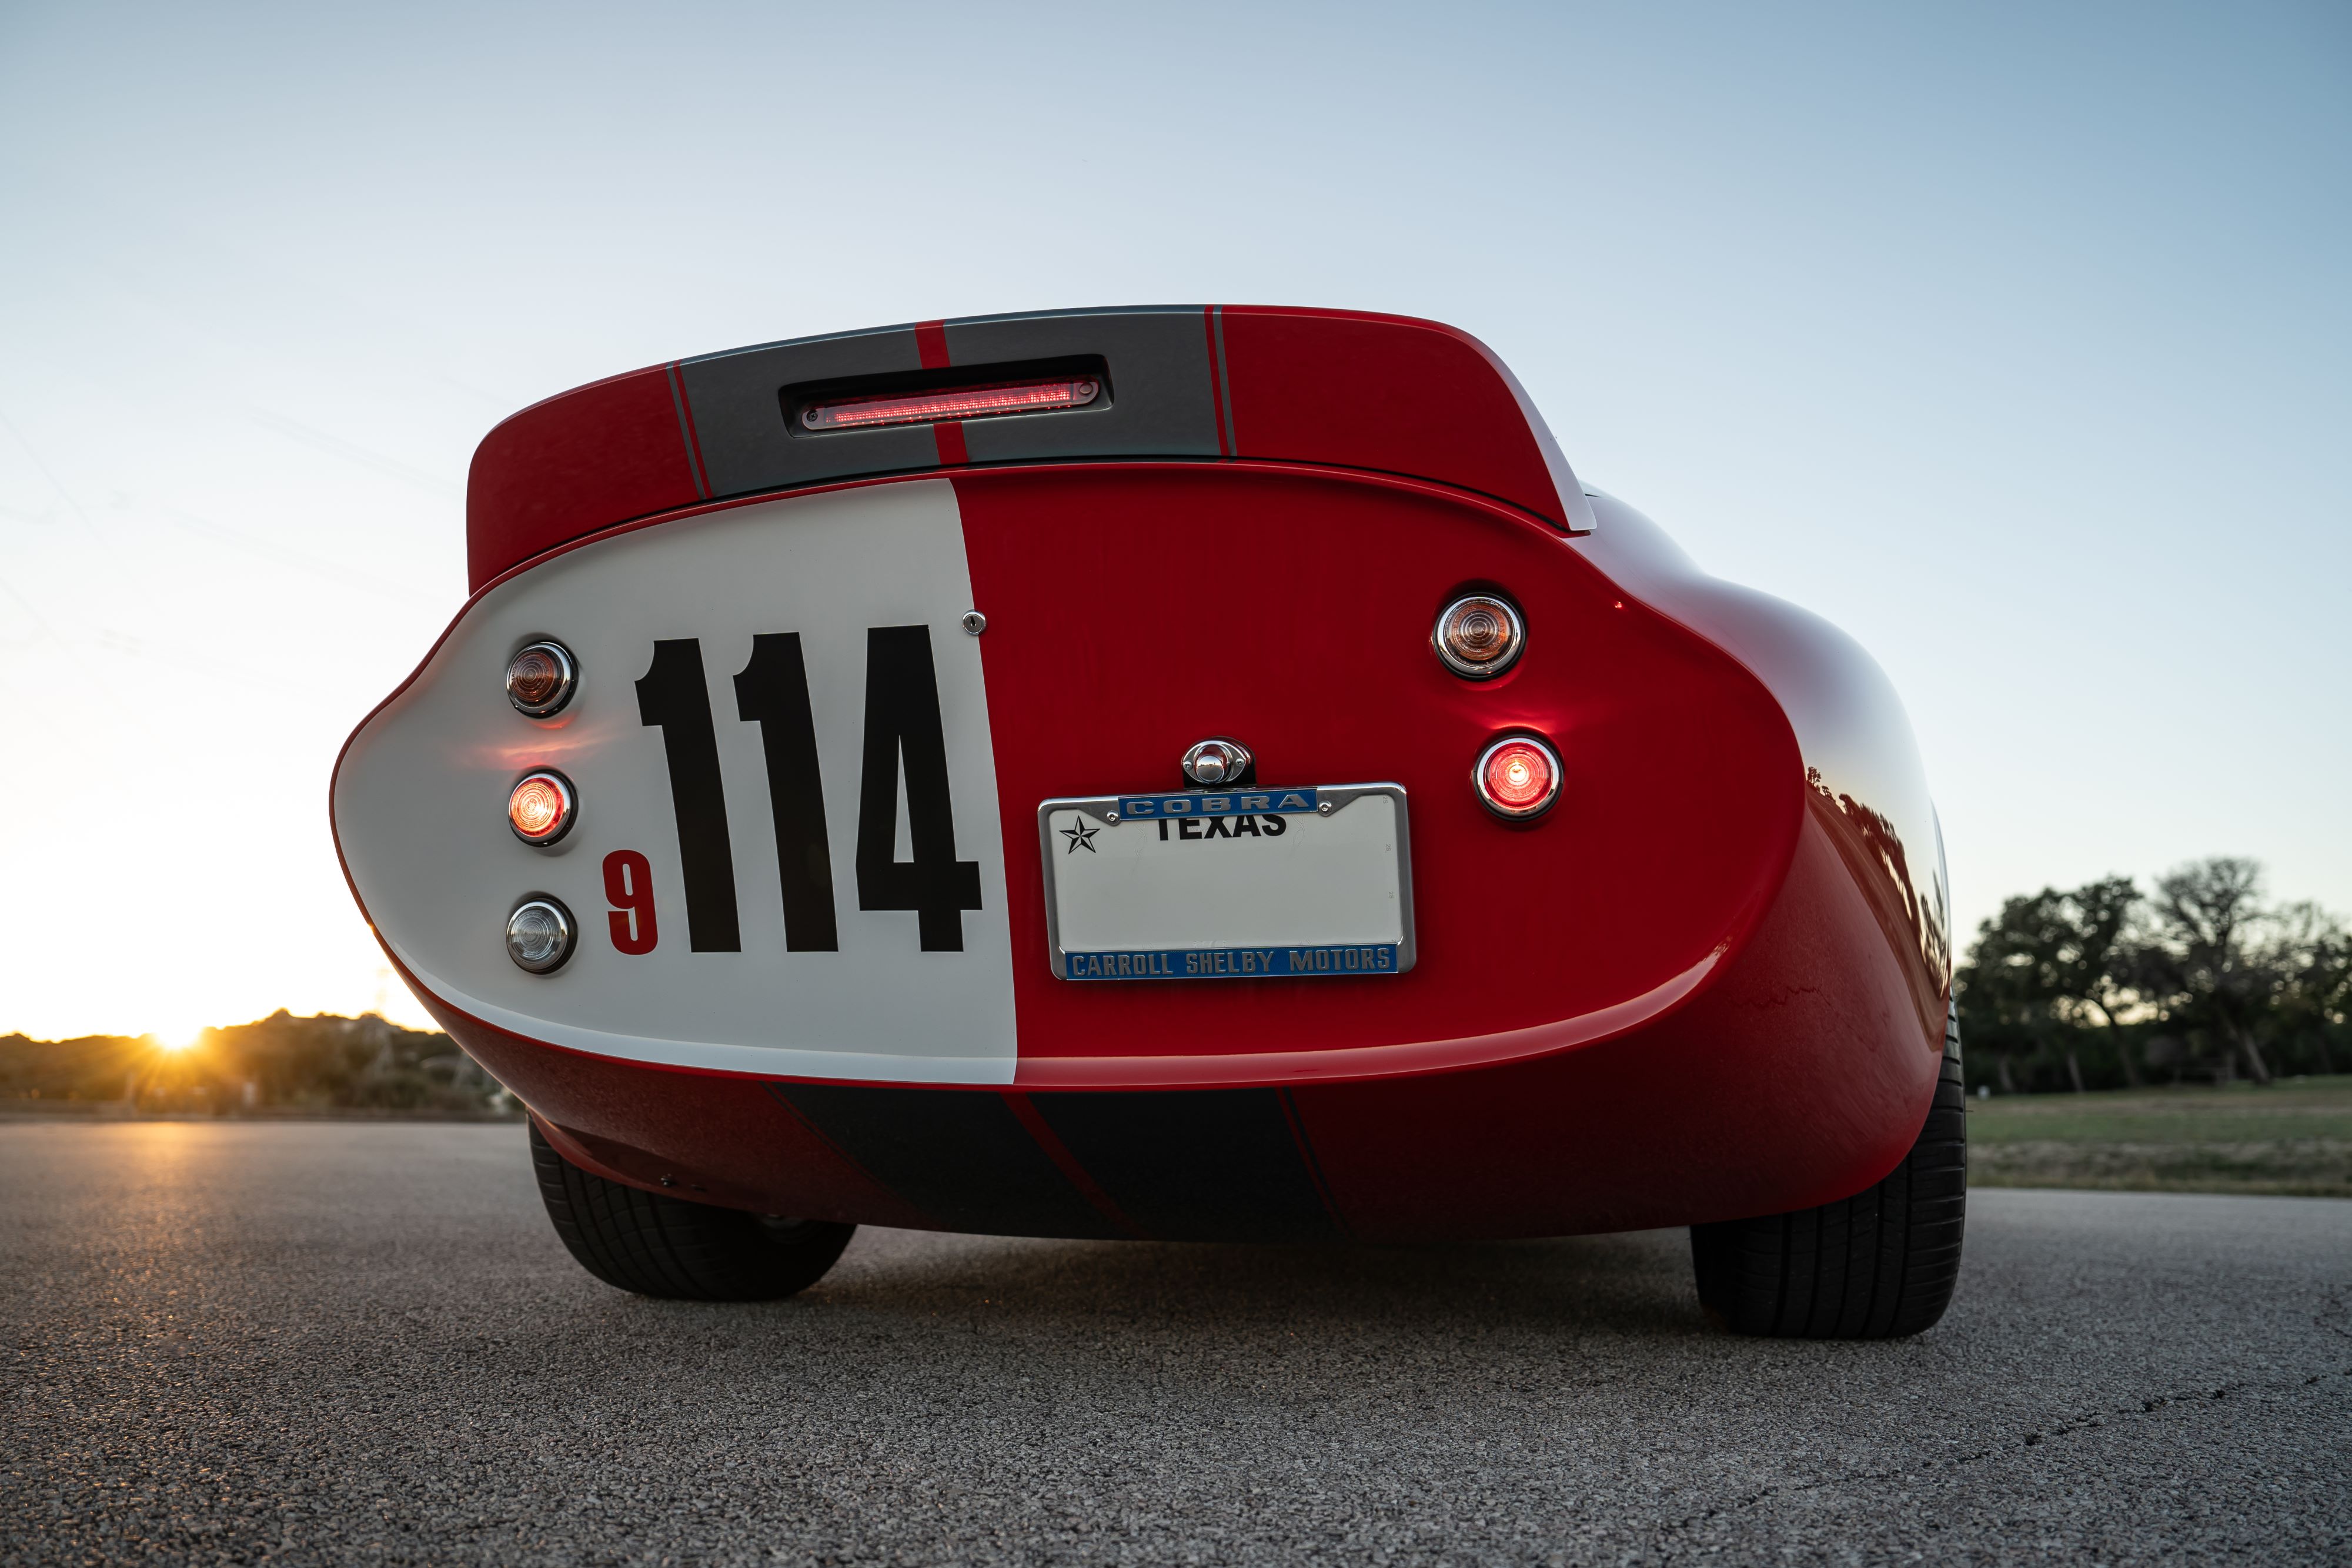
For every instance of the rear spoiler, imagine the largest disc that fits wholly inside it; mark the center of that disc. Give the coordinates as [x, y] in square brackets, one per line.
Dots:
[1216, 382]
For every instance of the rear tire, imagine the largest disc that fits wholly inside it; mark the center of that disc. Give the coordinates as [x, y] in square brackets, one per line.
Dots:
[1878, 1265]
[661, 1245]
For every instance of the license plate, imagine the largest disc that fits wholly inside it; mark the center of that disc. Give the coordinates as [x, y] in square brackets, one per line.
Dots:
[1251, 884]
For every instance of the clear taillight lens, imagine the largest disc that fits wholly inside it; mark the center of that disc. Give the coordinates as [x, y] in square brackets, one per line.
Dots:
[1518, 777]
[541, 678]
[1479, 636]
[539, 934]
[540, 808]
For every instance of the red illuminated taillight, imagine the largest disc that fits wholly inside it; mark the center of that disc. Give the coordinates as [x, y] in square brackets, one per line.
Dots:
[1517, 777]
[956, 402]
[540, 808]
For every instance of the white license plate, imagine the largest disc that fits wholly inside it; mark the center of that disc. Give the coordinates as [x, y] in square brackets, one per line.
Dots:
[1247, 885]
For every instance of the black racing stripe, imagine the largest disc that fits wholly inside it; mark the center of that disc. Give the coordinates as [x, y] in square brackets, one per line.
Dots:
[1214, 1164]
[960, 1156]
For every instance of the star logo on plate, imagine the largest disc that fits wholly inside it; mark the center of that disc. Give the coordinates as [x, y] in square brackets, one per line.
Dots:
[1081, 837]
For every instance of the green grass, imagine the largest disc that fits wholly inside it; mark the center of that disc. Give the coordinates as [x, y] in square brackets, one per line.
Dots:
[2293, 1138]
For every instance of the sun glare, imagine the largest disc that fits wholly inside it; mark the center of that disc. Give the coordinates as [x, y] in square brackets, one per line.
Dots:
[178, 1040]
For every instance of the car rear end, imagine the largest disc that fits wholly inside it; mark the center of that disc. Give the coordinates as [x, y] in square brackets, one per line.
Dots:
[1020, 775]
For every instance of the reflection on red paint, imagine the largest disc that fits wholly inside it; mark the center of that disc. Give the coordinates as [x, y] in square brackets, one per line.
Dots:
[1913, 917]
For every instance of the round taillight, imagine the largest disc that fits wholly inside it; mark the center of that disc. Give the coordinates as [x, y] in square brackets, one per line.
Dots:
[1518, 777]
[541, 807]
[540, 679]
[1479, 636]
[539, 934]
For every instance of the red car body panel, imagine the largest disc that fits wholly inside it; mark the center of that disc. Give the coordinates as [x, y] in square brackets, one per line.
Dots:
[1710, 983]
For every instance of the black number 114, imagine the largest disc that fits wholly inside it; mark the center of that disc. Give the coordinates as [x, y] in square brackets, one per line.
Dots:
[903, 732]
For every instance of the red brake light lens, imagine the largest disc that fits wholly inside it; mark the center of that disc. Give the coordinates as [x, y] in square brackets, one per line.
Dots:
[957, 402]
[540, 808]
[1518, 777]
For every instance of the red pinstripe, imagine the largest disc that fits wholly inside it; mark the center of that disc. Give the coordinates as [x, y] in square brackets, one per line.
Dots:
[1216, 382]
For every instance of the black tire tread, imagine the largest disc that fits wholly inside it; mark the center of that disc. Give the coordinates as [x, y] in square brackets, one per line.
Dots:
[1879, 1265]
[656, 1245]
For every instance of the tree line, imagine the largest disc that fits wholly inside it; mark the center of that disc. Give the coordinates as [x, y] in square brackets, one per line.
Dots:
[2104, 986]
[277, 1063]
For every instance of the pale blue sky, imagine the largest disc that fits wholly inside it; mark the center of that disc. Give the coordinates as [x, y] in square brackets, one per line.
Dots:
[2016, 340]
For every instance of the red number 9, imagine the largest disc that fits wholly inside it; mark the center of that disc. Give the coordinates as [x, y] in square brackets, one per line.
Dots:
[629, 885]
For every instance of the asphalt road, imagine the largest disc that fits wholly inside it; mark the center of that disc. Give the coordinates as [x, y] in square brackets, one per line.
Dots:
[362, 1343]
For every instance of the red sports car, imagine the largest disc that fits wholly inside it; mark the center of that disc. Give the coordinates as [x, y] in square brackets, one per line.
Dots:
[1200, 773]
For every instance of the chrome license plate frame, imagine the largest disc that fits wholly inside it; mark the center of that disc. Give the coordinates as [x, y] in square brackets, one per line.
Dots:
[1334, 901]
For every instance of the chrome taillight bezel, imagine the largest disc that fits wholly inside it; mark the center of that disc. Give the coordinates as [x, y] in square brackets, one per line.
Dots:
[567, 934]
[567, 677]
[1509, 613]
[1507, 811]
[567, 796]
